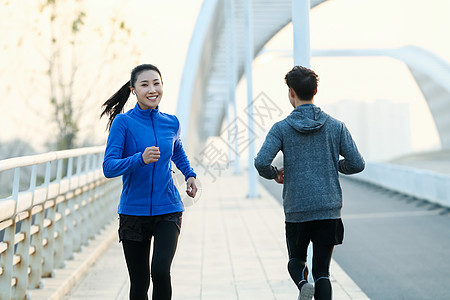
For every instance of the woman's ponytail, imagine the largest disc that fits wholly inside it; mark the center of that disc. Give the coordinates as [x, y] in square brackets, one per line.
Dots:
[114, 105]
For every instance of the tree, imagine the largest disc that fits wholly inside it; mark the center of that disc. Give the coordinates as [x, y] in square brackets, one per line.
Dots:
[67, 24]
[9, 149]
[57, 59]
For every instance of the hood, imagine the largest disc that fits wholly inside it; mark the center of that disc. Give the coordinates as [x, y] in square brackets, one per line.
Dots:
[307, 118]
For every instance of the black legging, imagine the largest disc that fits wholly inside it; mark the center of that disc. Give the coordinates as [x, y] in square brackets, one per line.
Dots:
[320, 267]
[137, 255]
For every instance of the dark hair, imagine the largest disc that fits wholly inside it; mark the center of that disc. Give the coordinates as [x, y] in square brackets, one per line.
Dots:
[303, 81]
[114, 105]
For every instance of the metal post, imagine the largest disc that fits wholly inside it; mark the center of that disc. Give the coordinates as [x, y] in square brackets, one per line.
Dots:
[78, 171]
[48, 233]
[35, 280]
[35, 262]
[302, 57]
[231, 55]
[20, 270]
[6, 261]
[253, 192]
[16, 187]
[71, 235]
[70, 172]
[60, 212]
[300, 22]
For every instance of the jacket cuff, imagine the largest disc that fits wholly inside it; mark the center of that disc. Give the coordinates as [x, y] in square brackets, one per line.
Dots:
[191, 174]
[274, 169]
[141, 160]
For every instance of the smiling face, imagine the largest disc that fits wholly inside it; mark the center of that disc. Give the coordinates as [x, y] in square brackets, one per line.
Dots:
[148, 88]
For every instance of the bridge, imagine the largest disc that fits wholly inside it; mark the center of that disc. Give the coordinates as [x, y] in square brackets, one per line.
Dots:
[58, 218]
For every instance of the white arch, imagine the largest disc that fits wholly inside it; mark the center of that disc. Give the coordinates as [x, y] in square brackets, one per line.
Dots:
[203, 90]
[431, 73]
[202, 95]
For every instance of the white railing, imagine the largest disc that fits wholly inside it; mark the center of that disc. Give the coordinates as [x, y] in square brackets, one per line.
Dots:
[66, 200]
[423, 184]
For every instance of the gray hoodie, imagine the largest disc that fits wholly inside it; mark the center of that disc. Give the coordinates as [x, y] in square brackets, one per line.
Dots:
[311, 142]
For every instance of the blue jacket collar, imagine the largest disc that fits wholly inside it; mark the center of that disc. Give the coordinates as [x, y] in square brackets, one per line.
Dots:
[303, 106]
[145, 112]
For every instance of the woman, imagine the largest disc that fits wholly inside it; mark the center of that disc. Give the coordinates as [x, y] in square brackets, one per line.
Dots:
[141, 144]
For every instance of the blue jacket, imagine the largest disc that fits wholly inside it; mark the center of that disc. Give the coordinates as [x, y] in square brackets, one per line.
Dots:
[312, 143]
[148, 190]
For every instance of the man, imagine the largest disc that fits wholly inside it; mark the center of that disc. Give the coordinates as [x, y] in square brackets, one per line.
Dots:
[312, 143]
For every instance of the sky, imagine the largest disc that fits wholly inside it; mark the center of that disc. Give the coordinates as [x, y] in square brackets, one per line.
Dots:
[160, 34]
[361, 24]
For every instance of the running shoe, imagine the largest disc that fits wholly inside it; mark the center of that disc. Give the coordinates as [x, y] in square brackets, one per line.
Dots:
[306, 291]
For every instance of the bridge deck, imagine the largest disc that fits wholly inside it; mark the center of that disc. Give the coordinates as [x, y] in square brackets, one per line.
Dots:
[230, 247]
[436, 161]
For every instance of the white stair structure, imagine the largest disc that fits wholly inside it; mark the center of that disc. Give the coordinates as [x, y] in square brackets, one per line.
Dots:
[216, 58]
[213, 65]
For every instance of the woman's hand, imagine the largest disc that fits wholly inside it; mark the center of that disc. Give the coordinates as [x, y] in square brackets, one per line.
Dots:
[151, 154]
[280, 176]
[191, 187]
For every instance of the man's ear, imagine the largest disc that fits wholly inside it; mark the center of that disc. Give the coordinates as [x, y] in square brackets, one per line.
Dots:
[292, 93]
[315, 92]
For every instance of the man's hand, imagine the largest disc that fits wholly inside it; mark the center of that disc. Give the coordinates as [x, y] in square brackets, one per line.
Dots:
[151, 154]
[280, 176]
[191, 187]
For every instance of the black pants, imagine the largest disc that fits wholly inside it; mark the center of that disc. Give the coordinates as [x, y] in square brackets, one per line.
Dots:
[324, 234]
[137, 255]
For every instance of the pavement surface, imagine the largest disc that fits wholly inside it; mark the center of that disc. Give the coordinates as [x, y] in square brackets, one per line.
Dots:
[230, 247]
[395, 246]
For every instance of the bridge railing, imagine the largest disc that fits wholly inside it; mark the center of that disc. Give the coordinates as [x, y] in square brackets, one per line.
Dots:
[63, 203]
[423, 184]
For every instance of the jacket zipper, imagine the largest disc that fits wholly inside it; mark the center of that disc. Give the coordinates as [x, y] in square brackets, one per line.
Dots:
[153, 170]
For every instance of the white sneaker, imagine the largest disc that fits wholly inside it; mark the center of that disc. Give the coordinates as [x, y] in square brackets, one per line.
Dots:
[306, 292]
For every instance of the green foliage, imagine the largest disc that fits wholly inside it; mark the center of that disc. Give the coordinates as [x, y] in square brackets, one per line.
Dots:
[78, 22]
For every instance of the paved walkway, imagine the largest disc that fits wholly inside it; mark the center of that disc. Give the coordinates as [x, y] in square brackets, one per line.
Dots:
[231, 247]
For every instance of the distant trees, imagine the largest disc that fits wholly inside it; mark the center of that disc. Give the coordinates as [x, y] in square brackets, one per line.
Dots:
[67, 57]
[9, 149]
[77, 45]
[14, 148]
